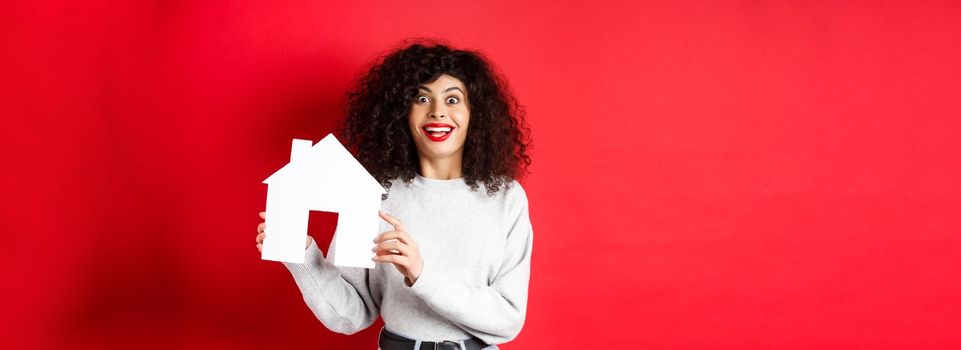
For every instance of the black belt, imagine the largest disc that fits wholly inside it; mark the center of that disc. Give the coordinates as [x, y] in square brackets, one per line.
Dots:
[393, 341]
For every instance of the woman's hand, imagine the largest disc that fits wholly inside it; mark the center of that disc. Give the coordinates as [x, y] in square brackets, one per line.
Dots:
[261, 234]
[398, 248]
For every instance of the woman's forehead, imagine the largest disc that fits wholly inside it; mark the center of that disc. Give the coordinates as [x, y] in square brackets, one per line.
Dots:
[443, 83]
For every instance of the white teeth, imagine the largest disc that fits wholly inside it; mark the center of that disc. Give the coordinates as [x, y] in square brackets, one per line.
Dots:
[431, 129]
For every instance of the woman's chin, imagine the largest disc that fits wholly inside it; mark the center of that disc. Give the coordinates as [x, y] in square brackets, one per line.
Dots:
[437, 152]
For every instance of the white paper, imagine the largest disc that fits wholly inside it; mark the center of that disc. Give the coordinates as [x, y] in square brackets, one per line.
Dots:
[322, 177]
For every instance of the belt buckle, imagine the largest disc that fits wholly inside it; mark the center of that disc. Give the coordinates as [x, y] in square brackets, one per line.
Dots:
[455, 345]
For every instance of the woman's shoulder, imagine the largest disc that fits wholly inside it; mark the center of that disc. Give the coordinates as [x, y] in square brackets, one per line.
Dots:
[512, 196]
[515, 191]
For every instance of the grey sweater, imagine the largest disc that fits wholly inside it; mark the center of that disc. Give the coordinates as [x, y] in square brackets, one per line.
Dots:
[477, 254]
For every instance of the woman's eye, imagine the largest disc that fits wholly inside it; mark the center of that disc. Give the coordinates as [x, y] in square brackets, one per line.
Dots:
[452, 100]
[422, 99]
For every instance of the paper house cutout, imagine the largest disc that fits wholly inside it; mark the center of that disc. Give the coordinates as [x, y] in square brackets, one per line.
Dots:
[323, 177]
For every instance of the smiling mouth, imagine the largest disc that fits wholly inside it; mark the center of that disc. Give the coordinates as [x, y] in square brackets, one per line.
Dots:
[437, 133]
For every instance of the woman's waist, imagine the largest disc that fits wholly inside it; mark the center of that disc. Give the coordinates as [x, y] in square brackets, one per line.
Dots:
[417, 324]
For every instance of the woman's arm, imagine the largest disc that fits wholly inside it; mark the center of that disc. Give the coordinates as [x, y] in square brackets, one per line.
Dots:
[339, 297]
[494, 313]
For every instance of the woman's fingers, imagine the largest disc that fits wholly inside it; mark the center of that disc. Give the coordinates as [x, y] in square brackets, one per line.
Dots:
[392, 221]
[383, 236]
[393, 245]
[398, 235]
[394, 259]
[260, 232]
[387, 252]
[398, 248]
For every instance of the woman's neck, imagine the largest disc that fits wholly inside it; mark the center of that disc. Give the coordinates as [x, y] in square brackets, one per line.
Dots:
[441, 168]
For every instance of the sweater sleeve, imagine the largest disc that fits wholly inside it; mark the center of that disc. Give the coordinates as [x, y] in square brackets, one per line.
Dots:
[339, 296]
[494, 313]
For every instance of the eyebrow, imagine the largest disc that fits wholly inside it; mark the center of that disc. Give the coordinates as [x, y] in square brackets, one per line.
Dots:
[448, 89]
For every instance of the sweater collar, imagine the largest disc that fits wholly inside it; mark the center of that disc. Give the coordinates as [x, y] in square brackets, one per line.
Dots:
[438, 184]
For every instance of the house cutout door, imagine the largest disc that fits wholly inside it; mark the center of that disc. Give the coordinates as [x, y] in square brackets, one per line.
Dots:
[321, 226]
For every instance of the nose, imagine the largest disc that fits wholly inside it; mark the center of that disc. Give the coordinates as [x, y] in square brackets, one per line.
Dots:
[436, 111]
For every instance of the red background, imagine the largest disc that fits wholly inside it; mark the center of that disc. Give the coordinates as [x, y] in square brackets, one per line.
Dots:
[706, 175]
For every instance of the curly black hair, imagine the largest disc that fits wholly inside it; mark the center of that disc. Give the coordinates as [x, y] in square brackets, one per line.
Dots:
[376, 130]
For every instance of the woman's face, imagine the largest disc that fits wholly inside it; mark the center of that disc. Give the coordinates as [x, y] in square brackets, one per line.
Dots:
[438, 118]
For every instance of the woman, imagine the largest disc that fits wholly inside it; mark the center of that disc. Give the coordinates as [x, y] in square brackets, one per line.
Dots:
[432, 124]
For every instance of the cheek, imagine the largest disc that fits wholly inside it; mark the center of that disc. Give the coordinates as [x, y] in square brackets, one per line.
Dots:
[462, 119]
[465, 125]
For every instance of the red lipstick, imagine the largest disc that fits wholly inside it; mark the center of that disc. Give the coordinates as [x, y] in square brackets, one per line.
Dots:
[437, 131]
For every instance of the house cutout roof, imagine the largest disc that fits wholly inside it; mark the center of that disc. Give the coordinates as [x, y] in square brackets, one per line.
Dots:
[322, 168]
